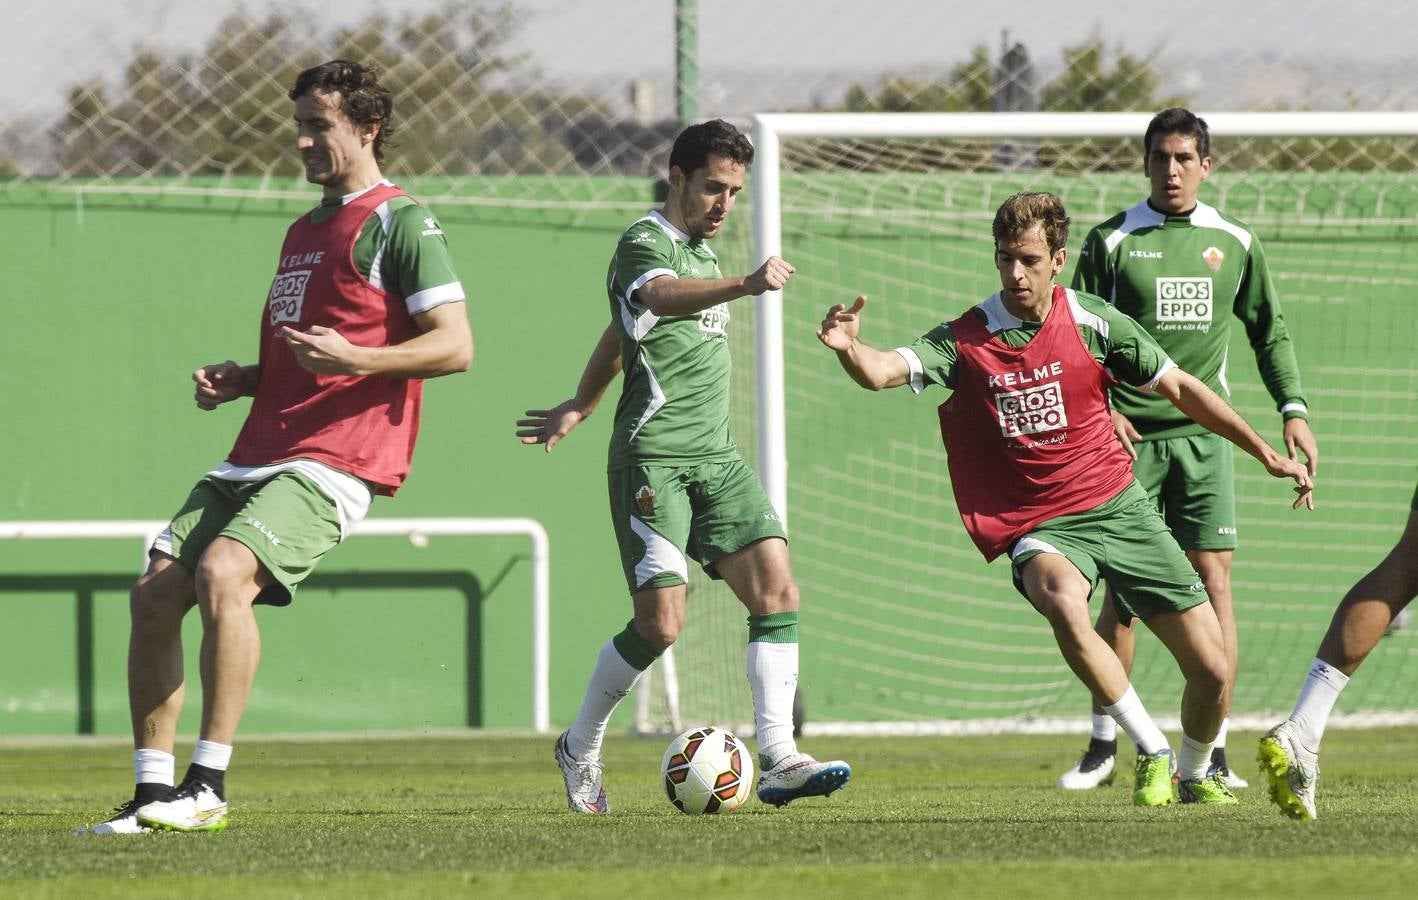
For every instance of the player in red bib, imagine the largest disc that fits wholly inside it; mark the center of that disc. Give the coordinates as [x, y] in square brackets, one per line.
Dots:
[1039, 474]
[364, 305]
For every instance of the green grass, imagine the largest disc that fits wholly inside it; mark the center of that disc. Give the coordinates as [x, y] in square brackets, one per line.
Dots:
[922, 817]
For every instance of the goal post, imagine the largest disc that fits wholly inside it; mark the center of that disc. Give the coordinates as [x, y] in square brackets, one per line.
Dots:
[905, 630]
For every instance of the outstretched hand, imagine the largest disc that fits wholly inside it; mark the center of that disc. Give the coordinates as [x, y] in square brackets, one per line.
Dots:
[549, 426]
[841, 325]
[216, 384]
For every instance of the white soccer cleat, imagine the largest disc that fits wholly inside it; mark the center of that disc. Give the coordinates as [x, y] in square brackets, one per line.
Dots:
[1291, 769]
[584, 793]
[124, 820]
[1219, 766]
[192, 806]
[1095, 767]
[799, 775]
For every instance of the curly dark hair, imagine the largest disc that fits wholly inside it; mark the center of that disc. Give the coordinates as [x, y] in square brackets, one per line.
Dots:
[716, 137]
[362, 98]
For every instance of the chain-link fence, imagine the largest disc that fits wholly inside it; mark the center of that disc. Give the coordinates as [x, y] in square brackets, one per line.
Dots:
[166, 94]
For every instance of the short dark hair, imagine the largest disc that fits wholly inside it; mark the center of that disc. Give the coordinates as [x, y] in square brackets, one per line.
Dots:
[1026, 209]
[1176, 120]
[363, 99]
[716, 137]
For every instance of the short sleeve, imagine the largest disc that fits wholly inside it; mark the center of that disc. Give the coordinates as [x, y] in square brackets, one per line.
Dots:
[645, 252]
[416, 263]
[932, 358]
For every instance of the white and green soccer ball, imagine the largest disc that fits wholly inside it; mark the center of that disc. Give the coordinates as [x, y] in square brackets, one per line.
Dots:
[706, 770]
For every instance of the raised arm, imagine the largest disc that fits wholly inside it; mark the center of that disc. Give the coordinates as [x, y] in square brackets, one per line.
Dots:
[549, 426]
[669, 296]
[871, 368]
[1206, 408]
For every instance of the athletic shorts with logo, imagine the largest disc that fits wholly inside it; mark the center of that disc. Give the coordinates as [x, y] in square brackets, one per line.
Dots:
[286, 521]
[1125, 541]
[705, 511]
[1192, 479]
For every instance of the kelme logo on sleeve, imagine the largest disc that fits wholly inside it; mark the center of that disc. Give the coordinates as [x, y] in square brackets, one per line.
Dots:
[1184, 304]
[287, 296]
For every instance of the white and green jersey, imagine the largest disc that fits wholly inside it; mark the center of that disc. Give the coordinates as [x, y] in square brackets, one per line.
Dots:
[1178, 275]
[674, 402]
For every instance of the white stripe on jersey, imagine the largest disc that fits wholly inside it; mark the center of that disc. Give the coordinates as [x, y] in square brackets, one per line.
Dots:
[1140, 216]
[1084, 317]
[657, 399]
[428, 298]
[386, 219]
[1209, 217]
[918, 371]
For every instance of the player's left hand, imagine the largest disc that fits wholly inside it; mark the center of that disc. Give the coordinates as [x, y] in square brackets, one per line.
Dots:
[323, 350]
[1281, 467]
[1299, 439]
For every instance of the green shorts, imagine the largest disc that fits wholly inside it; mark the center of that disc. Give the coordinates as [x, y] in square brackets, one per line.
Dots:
[286, 521]
[1125, 541]
[705, 511]
[1192, 479]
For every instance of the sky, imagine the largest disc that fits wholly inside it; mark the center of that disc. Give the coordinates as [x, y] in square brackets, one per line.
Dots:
[56, 42]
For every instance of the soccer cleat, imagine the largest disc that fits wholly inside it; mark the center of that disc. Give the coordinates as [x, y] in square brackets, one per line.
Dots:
[1153, 786]
[1211, 789]
[1291, 769]
[799, 775]
[124, 820]
[1097, 766]
[1219, 766]
[584, 793]
[192, 806]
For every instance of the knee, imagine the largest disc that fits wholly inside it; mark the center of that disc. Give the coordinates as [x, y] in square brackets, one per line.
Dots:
[1210, 673]
[158, 600]
[1065, 615]
[659, 634]
[220, 574]
[781, 597]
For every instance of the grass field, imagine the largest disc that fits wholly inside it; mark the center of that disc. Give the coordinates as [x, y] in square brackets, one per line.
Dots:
[922, 817]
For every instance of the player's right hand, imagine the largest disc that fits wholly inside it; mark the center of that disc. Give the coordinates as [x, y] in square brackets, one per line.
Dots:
[1281, 467]
[1123, 428]
[771, 276]
[549, 426]
[216, 384]
[841, 326]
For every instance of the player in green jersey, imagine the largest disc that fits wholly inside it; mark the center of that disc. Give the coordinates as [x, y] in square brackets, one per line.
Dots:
[1289, 752]
[1177, 266]
[678, 486]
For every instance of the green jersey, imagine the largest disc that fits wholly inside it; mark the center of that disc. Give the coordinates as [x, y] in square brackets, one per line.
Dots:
[1120, 345]
[1176, 275]
[674, 401]
[401, 249]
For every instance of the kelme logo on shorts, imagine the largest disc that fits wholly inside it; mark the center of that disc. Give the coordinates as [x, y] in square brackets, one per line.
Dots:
[645, 499]
[287, 296]
[1031, 410]
[268, 533]
[1183, 300]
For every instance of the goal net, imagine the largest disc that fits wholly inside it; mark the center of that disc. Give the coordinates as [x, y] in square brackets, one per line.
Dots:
[904, 626]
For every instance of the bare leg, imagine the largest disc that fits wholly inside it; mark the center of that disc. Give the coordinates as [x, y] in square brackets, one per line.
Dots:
[1194, 638]
[1116, 635]
[157, 605]
[1366, 611]
[229, 577]
[1214, 567]
[1060, 593]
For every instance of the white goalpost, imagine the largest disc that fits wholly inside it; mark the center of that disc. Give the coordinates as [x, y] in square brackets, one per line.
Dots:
[904, 629]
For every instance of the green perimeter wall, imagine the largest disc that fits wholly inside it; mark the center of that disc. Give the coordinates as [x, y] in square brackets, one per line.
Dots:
[112, 302]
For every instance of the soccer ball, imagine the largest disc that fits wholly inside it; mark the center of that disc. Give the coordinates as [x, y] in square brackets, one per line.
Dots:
[707, 770]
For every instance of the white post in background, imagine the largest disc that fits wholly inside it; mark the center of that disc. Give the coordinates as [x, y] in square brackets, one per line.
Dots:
[416, 530]
[768, 320]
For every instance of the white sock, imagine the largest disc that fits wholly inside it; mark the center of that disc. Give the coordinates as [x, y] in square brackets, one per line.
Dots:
[212, 755]
[1220, 742]
[1317, 697]
[1194, 759]
[611, 680]
[1104, 728]
[773, 676]
[1133, 719]
[154, 767]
